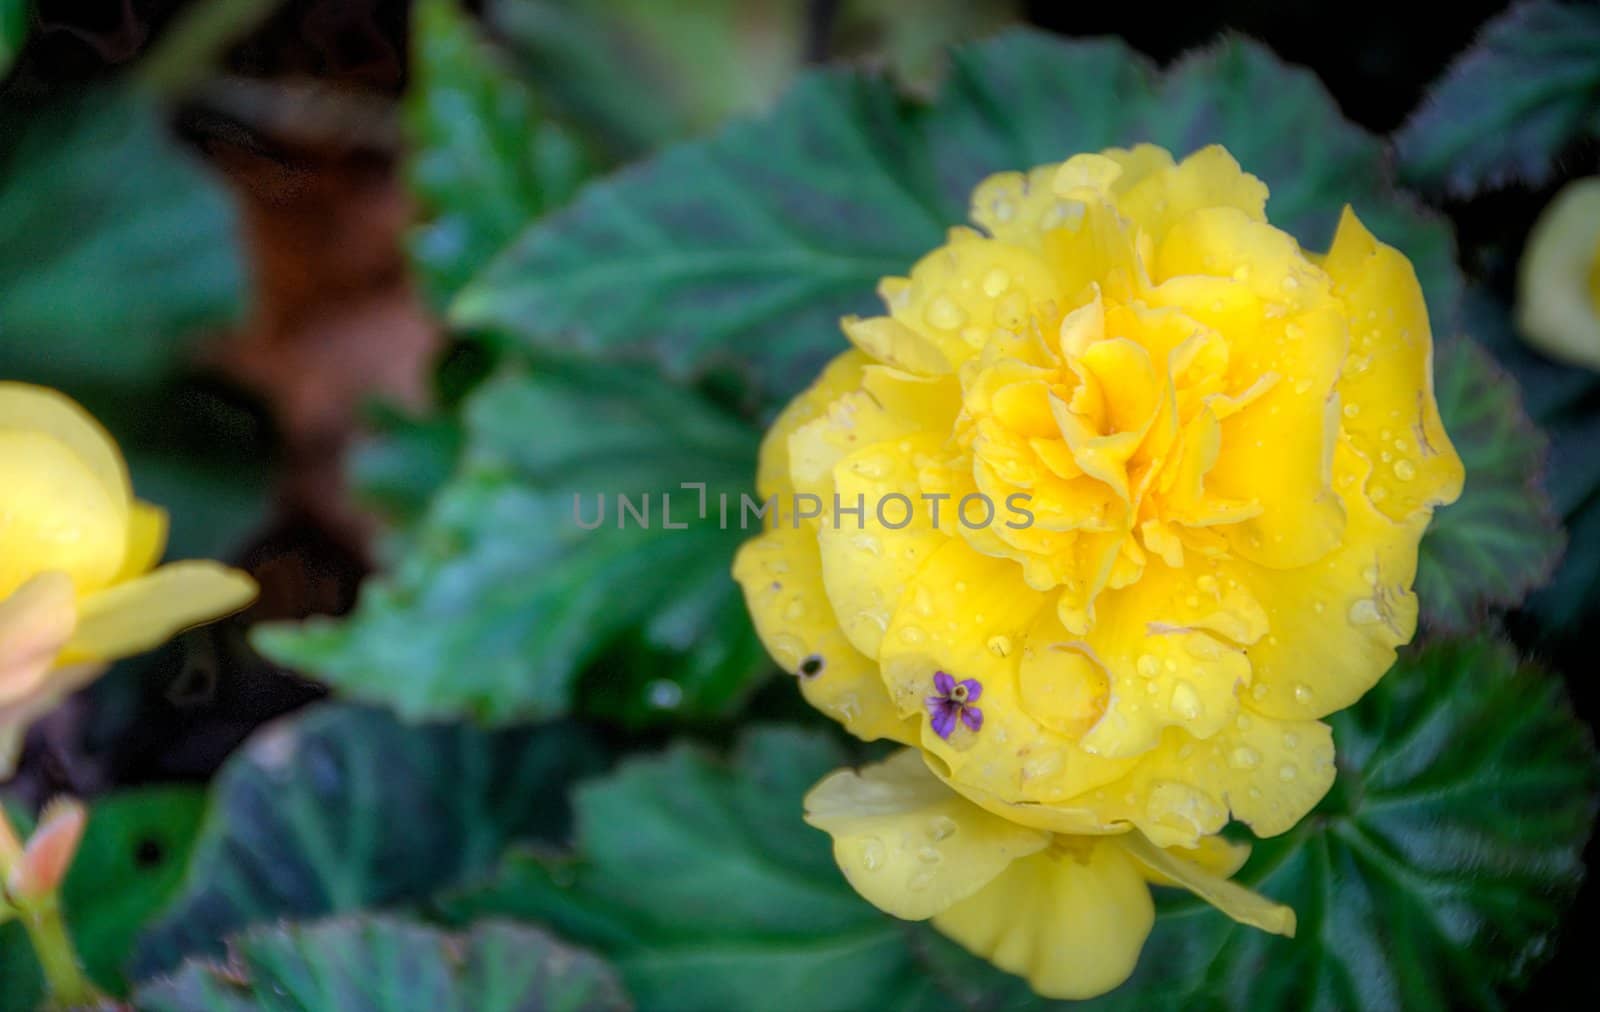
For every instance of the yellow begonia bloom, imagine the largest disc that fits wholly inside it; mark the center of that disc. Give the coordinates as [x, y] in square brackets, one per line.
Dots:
[79, 585]
[1558, 282]
[1120, 498]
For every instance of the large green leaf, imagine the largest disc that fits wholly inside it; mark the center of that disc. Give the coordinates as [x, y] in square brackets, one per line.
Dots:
[485, 160]
[389, 964]
[1434, 876]
[129, 865]
[638, 73]
[1504, 110]
[113, 243]
[1502, 538]
[342, 808]
[743, 250]
[699, 881]
[502, 597]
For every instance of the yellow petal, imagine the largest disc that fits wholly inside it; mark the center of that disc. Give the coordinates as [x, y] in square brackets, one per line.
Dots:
[56, 514]
[1233, 899]
[781, 575]
[867, 564]
[908, 844]
[1348, 612]
[841, 376]
[1390, 415]
[35, 623]
[28, 408]
[1558, 280]
[133, 617]
[1071, 919]
[147, 540]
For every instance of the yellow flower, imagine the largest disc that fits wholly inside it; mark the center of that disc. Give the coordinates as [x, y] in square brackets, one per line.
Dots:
[78, 583]
[1121, 496]
[1558, 282]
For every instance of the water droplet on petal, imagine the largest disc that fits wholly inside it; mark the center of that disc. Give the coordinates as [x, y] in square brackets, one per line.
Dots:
[872, 853]
[1244, 758]
[1148, 666]
[1000, 646]
[1185, 701]
[1404, 470]
[1288, 772]
[941, 827]
[995, 283]
[1303, 693]
[1365, 612]
[929, 855]
[944, 314]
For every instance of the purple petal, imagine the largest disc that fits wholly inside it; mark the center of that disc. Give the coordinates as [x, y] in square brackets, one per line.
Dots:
[943, 683]
[972, 717]
[944, 721]
[974, 689]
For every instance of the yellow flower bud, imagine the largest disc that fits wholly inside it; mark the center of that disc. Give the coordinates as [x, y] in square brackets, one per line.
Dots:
[1558, 280]
[1121, 495]
[79, 583]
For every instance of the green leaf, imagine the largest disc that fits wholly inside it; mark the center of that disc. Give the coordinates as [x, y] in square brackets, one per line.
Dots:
[1436, 872]
[342, 808]
[405, 462]
[699, 881]
[130, 863]
[389, 964]
[503, 598]
[639, 73]
[744, 250]
[1502, 538]
[485, 158]
[1504, 110]
[13, 31]
[113, 244]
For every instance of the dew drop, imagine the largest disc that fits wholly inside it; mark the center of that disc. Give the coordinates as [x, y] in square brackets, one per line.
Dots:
[1244, 758]
[1185, 701]
[1259, 691]
[912, 634]
[1291, 740]
[930, 855]
[1207, 583]
[1290, 283]
[1303, 693]
[920, 881]
[944, 314]
[872, 853]
[1287, 772]
[1148, 665]
[995, 283]
[1365, 612]
[1000, 646]
[941, 827]
[795, 611]
[665, 694]
[1404, 470]
[1352, 410]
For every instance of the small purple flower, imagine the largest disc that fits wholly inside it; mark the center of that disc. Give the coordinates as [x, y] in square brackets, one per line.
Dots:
[954, 700]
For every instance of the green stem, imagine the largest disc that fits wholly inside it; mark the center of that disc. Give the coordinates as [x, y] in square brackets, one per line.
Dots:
[68, 986]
